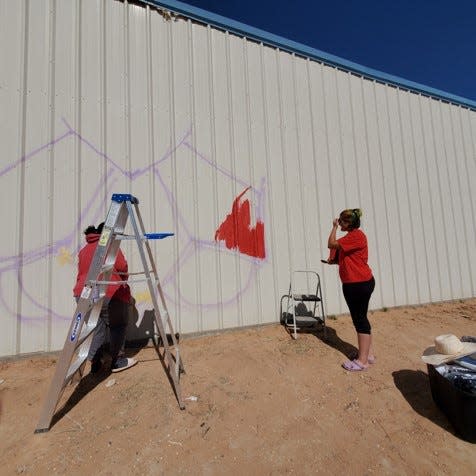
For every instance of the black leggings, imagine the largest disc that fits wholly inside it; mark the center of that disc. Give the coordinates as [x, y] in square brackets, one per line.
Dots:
[357, 297]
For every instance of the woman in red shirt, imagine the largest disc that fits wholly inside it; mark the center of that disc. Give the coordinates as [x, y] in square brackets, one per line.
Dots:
[114, 312]
[351, 253]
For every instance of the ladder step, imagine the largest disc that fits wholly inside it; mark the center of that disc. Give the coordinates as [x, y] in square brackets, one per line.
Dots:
[306, 297]
[157, 236]
[124, 197]
[304, 320]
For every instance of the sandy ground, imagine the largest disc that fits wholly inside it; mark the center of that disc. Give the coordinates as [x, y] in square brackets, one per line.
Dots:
[266, 404]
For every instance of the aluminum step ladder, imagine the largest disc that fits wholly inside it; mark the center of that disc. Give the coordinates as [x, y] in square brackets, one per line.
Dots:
[303, 307]
[71, 363]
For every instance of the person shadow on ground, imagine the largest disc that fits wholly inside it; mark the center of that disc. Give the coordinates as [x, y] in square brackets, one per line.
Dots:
[329, 337]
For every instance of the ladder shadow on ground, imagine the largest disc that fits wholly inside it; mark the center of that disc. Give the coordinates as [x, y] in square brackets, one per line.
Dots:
[414, 385]
[85, 385]
[145, 335]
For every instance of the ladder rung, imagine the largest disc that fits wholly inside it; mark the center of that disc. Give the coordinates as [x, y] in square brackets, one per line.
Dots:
[122, 282]
[141, 272]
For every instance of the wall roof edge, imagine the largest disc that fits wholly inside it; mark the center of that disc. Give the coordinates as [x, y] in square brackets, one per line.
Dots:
[300, 49]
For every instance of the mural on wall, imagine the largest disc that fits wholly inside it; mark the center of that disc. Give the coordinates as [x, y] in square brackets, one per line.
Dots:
[237, 231]
[236, 235]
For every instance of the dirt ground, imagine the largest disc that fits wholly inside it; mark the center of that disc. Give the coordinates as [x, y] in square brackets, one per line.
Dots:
[266, 405]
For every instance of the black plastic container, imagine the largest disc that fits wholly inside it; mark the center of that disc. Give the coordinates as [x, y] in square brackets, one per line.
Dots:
[459, 406]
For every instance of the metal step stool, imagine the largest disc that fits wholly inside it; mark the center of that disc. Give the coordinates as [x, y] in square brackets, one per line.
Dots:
[303, 307]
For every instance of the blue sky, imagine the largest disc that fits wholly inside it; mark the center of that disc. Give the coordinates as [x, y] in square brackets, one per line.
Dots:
[432, 42]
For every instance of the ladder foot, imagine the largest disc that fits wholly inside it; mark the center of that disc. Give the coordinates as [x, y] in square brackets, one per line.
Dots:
[42, 430]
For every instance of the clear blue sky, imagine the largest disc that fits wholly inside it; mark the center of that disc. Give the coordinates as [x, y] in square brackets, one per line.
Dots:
[432, 42]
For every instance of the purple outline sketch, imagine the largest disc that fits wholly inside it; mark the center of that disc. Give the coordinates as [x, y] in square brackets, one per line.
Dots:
[113, 172]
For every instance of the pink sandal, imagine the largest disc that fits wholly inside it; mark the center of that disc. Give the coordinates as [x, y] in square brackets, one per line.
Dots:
[354, 366]
[370, 360]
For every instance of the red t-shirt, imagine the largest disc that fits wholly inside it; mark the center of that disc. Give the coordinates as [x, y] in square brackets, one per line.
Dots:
[353, 256]
[85, 257]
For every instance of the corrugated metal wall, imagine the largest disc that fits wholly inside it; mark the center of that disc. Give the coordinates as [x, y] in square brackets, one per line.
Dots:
[98, 97]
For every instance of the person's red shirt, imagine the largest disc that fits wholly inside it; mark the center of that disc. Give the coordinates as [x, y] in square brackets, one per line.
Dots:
[353, 256]
[86, 254]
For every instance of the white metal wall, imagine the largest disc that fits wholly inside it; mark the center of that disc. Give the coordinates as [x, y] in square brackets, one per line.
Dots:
[98, 97]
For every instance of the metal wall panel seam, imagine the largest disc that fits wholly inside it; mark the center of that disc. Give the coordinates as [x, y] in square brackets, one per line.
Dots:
[463, 188]
[104, 94]
[326, 131]
[22, 151]
[127, 89]
[283, 162]
[170, 49]
[328, 163]
[440, 195]
[471, 205]
[354, 146]
[270, 239]
[196, 215]
[446, 218]
[430, 188]
[380, 276]
[340, 133]
[395, 184]
[382, 178]
[211, 96]
[51, 175]
[76, 44]
[457, 198]
[471, 121]
[420, 200]
[412, 249]
[275, 41]
[424, 101]
[251, 157]
[150, 126]
[231, 130]
[319, 245]
[299, 163]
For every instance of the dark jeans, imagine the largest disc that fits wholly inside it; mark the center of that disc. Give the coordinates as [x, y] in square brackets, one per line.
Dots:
[357, 297]
[114, 313]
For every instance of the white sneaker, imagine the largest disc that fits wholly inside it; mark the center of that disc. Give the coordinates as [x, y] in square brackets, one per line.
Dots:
[123, 363]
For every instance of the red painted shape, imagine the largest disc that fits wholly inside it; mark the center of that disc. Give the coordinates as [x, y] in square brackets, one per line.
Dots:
[236, 231]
